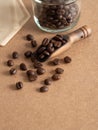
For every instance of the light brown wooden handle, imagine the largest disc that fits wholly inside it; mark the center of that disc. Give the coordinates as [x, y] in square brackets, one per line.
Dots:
[80, 33]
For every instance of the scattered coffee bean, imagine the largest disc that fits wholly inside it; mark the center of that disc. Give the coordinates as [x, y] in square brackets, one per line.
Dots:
[59, 70]
[44, 89]
[31, 73]
[19, 85]
[34, 43]
[48, 81]
[15, 55]
[56, 61]
[13, 71]
[10, 63]
[29, 37]
[28, 54]
[41, 71]
[37, 64]
[67, 59]
[32, 77]
[23, 67]
[56, 77]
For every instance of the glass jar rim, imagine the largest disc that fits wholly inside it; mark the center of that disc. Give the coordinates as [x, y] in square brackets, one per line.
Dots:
[53, 2]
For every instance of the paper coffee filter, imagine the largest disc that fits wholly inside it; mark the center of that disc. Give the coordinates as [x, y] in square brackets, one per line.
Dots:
[13, 15]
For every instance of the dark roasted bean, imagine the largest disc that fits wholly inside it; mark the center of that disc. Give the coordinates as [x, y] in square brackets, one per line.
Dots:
[57, 44]
[29, 37]
[13, 71]
[56, 77]
[28, 54]
[48, 81]
[30, 73]
[42, 56]
[67, 59]
[23, 67]
[41, 71]
[58, 38]
[32, 77]
[19, 85]
[50, 49]
[34, 43]
[10, 63]
[37, 64]
[15, 55]
[59, 70]
[44, 89]
[46, 53]
[45, 41]
[40, 50]
[56, 61]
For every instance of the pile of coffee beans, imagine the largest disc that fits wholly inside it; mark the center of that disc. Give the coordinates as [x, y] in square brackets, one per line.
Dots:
[55, 16]
[37, 67]
[50, 46]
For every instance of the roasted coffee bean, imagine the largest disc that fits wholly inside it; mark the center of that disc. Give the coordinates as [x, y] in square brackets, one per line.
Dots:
[41, 49]
[69, 20]
[29, 37]
[45, 41]
[23, 67]
[15, 55]
[67, 59]
[37, 64]
[32, 77]
[42, 56]
[59, 70]
[56, 61]
[34, 43]
[28, 54]
[57, 44]
[41, 71]
[48, 81]
[50, 45]
[46, 53]
[19, 85]
[58, 37]
[51, 49]
[44, 89]
[10, 63]
[30, 73]
[56, 77]
[13, 71]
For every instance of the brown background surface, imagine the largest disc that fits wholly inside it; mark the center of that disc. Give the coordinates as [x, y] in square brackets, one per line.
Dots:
[72, 102]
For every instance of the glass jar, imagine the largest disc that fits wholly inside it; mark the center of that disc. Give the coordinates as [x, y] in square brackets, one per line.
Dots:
[56, 15]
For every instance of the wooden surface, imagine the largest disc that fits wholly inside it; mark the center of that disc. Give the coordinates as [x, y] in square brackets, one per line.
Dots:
[72, 102]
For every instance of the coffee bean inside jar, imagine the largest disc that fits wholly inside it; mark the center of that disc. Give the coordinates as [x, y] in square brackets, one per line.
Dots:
[56, 15]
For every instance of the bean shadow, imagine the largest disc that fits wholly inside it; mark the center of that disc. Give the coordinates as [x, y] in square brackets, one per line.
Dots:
[12, 87]
[24, 77]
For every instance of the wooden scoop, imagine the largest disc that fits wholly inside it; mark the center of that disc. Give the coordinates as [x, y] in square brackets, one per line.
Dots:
[71, 38]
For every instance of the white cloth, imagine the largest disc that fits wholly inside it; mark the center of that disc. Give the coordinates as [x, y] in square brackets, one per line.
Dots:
[13, 15]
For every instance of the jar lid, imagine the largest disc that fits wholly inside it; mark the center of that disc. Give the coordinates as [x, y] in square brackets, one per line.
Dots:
[56, 1]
